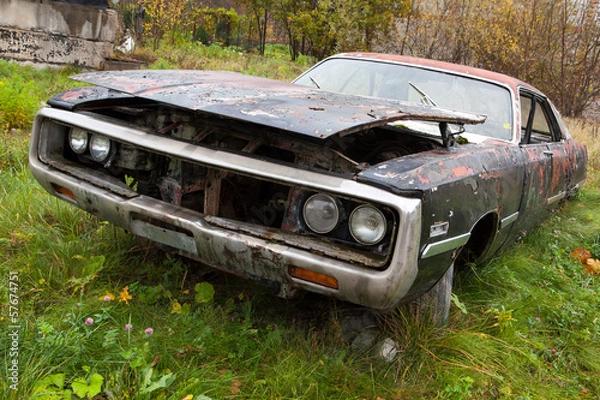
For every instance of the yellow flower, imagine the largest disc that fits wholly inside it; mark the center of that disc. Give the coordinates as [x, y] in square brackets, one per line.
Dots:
[124, 295]
[107, 297]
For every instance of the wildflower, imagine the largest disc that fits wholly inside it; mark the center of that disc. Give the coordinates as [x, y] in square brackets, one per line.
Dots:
[149, 331]
[538, 319]
[554, 351]
[124, 295]
[89, 321]
[128, 327]
[107, 297]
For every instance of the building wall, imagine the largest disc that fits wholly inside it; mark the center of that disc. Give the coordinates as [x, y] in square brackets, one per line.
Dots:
[48, 32]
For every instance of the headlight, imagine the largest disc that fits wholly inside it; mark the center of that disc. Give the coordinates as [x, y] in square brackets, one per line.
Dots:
[78, 140]
[99, 147]
[367, 225]
[321, 213]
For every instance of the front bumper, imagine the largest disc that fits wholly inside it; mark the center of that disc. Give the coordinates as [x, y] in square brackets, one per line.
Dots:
[244, 250]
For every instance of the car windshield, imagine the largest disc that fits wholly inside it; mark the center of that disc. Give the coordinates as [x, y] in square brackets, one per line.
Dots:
[417, 85]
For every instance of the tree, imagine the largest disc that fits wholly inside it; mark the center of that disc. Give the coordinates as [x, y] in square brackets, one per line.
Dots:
[552, 44]
[214, 24]
[364, 25]
[259, 11]
[160, 17]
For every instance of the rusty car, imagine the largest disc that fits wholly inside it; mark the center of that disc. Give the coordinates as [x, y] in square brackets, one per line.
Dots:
[369, 178]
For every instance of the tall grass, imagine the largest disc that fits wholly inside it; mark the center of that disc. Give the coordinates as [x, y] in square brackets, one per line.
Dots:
[522, 326]
[23, 91]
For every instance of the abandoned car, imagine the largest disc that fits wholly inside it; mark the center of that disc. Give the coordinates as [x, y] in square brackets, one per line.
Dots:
[369, 178]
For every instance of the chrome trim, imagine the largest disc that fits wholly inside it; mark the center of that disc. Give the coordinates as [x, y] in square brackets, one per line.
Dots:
[433, 249]
[506, 221]
[556, 198]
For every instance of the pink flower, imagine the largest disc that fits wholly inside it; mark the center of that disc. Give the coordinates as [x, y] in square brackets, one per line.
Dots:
[149, 331]
[89, 321]
[538, 319]
[128, 327]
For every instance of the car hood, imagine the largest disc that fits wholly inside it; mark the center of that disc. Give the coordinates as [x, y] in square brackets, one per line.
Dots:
[272, 103]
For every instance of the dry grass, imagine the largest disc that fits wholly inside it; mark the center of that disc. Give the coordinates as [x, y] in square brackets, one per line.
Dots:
[588, 132]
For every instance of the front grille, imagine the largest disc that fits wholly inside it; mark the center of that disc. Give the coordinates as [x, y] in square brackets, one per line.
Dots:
[230, 199]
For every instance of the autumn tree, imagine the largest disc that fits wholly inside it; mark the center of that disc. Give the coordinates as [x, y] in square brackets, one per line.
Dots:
[567, 65]
[208, 24]
[309, 26]
[160, 17]
[259, 12]
[364, 25]
[552, 44]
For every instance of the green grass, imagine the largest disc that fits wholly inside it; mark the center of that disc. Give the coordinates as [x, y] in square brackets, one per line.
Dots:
[523, 326]
[188, 55]
[23, 91]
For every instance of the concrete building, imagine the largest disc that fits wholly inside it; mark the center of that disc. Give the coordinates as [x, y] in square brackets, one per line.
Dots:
[56, 33]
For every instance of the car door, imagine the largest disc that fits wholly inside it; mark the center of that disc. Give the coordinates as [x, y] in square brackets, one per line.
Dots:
[545, 156]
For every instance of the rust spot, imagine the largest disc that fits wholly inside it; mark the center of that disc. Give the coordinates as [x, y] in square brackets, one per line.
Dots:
[462, 171]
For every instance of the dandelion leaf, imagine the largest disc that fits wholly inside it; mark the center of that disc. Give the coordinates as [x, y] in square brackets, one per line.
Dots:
[204, 292]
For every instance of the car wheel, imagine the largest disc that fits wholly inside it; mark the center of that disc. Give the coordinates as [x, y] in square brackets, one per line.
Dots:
[434, 305]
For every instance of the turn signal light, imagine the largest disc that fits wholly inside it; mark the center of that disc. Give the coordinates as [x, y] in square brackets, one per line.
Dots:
[64, 191]
[314, 277]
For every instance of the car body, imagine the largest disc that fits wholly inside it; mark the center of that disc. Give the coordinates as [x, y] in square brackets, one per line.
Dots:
[365, 179]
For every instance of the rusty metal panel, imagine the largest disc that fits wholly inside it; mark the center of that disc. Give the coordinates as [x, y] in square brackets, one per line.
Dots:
[267, 102]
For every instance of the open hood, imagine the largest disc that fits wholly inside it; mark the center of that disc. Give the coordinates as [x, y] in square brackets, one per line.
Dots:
[271, 103]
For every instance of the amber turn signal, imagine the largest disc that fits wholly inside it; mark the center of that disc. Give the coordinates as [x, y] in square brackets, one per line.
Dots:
[64, 191]
[314, 277]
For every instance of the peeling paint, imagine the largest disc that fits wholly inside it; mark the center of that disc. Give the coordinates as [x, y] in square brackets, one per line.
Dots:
[55, 33]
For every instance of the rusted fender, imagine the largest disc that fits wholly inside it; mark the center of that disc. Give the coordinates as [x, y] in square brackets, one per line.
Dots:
[428, 170]
[457, 185]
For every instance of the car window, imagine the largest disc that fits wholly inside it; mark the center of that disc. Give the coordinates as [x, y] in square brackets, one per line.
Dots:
[536, 121]
[526, 104]
[418, 85]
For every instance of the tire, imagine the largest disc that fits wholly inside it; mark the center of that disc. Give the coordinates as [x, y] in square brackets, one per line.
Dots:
[434, 306]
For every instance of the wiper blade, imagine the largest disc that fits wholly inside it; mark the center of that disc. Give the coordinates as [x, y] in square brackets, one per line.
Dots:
[425, 99]
[314, 82]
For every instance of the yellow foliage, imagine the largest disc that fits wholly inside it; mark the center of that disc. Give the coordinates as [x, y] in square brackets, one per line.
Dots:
[584, 256]
[161, 16]
[592, 266]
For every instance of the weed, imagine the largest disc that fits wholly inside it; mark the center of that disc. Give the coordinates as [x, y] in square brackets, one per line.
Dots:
[459, 390]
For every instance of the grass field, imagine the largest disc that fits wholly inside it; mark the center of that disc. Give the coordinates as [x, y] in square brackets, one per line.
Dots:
[88, 312]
